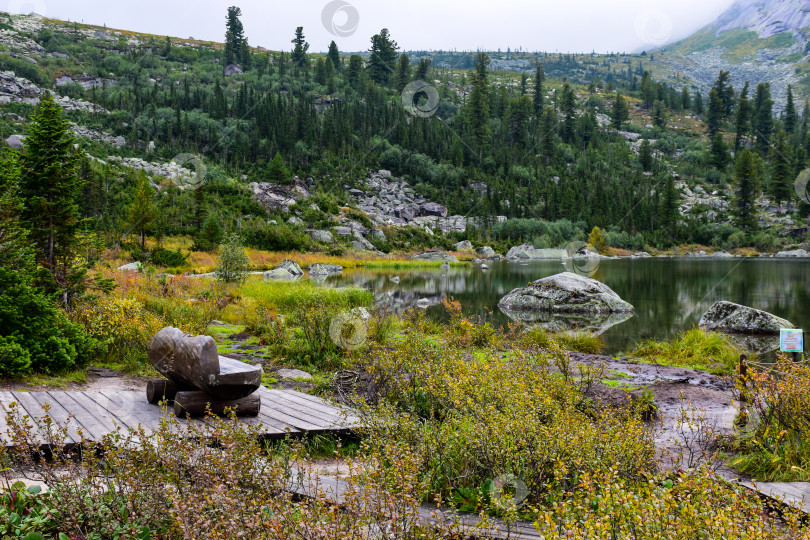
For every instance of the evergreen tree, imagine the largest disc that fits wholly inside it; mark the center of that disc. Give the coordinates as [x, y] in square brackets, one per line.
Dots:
[517, 116]
[686, 99]
[14, 250]
[780, 188]
[746, 183]
[742, 119]
[403, 72]
[210, 236]
[568, 106]
[355, 70]
[791, 117]
[725, 92]
[649, 91]
[236, 49]
[320, 71]
[300, 48]
[620, 113]
[381, 62]
[539, 79]
[277, 171]
[669, 209]
[334, 55]
[659, 115]
[698, 103]
[422, 69]
[763, 118]
[645, 155]
[142, 211]
[718, 152]
[714, 116]
[478, 108]
[50, 186]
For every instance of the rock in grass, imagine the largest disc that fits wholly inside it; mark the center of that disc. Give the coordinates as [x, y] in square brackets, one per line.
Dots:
[566, 293]
[325, 269]
[435, 256]
[736, 319]
[279, 273]
[293, 374]
[291, 267]
[131, 267]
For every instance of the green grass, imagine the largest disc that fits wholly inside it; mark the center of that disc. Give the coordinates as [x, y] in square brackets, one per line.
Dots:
[696, 349]
[287, 296]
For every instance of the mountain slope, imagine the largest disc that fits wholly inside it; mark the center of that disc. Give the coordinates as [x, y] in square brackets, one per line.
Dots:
[756, 40]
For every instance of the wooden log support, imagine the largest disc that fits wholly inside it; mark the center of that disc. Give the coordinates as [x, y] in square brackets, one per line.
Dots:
[195, 404]
[161, 390]
[742, 419]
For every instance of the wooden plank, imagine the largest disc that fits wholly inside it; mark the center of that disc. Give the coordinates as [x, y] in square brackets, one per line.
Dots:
[35, 411]
[60, 415]
[333, 417]
[94, 429]
[279, 412]
[319, 405]
[92, 409]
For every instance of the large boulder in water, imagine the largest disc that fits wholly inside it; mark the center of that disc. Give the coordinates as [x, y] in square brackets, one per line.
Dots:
[527, 252]
[565, 293]
[736, 319]
[325, 269]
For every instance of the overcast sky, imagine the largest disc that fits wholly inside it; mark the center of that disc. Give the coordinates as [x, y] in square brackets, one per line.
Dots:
[546, 25]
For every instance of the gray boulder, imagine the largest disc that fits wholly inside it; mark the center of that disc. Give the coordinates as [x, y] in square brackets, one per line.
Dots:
[131, 267]
[15, 141]
[432, 209]
[291, 267]
[322, 236]
[565, 293]
[736, 319]
[465, 245]
[527, 252]
[794, 253]
[279, 273]
[435, 256]
[486, 252]
[325, 269]
[289, 374]
[721, 255]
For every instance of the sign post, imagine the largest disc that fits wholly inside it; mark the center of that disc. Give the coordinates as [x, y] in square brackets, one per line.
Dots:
[792, 340]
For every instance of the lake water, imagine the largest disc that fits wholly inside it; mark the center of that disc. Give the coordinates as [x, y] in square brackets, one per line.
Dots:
[669, 294]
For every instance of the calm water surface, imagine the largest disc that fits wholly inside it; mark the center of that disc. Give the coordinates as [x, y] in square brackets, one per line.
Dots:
[669, 295]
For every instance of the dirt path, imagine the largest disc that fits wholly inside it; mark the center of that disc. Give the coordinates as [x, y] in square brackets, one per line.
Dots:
[705, 398]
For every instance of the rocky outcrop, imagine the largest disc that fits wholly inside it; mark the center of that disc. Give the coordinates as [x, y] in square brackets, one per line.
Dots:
[435, 256]
[325, 269]
[14, 89]
[390, 201]
[792, 254]
[736, 319]
[277, 196]
[180, 175]
[566, 293]
[528, 252]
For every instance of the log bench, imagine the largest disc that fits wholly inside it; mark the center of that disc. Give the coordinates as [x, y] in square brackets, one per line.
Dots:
[198, 378]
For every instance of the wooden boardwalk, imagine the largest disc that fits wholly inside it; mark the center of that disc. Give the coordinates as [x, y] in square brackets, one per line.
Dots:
[333, 490]
[793, 494]
[92, 415]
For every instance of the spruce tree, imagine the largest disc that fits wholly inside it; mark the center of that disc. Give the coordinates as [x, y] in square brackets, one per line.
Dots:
[746, 189]
[537, 97]
[790, 115]
[236, 49]
[714, 116]
[14, 250]
[620, 113]
[645, 155]
[718, 153]
[50, 185]
[277, 171]
[403, 72]
[381, 62]
[334, 56]
[478, 109]
[355, 70]
[299, 53]
[742, 119]
[686, 99]
[568, 104]
[659, 115]
[725, 92]
[763, 118]
[698, 103]
[780, 188]
[422, 69]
